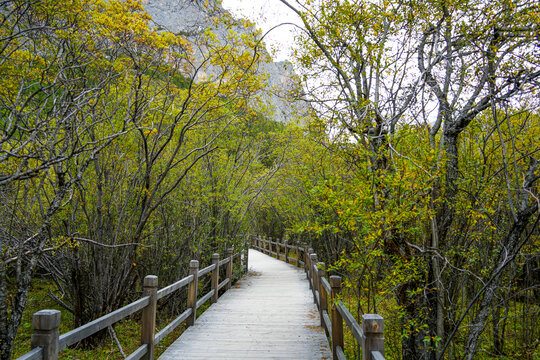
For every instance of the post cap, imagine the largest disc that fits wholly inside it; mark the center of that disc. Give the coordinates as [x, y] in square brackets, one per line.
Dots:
[230, 251]
[150, 281]
[335, 281]
[46, 320]
[215, 256]
[372, 323]
[194, 264]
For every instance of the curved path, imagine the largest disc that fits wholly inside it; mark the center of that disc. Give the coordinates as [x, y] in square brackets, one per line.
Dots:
[268, 314]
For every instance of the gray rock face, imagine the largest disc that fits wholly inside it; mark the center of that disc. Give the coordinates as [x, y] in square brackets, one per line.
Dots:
[192, 17]
[185, 16]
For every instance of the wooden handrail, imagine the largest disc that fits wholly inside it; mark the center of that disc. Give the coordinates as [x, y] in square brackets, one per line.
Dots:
[47, 343]
[369, 335]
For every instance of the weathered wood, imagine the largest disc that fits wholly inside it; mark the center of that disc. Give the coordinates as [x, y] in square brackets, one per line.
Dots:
[215, 277]
[267, 315]
[139, 353]
[171, 326]
[298, 254]
[351, 322]
[205, 271]
[205, 298]
[246, 257]
[34, 354]
[323, 297]
[314, 277]
[373, 327]
[286, 251]
[148, 331]
[223, 284]
[224, 261]
[308, 266]
[337, 322]
[82, 332]
[173, 287]
[326, 285]
[229, 268]
[377, 355]
[192, 291]
[327, 323]
[45, 324]
[340, 353]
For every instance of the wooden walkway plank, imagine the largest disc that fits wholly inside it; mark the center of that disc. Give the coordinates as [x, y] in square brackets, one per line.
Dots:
[268, 314]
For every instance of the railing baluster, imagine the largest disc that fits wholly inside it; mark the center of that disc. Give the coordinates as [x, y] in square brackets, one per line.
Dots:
[286, 251]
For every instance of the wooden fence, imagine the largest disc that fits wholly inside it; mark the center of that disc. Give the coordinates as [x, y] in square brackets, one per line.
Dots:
[47, 343]
[369, 335]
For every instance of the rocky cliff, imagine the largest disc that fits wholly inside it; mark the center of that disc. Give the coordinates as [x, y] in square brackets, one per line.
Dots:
[192, 17]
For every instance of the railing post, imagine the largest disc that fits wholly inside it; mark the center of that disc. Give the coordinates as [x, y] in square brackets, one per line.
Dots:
[323, 296]
[45, 324]
[229, 267]
[150, 287]
[298, 254]
[306, 262]
[373, 326]
[337, 321]
[192, 291]
[286, 251]
[247, 257]
[308, 266]
[215, 277]
[278, 249]
[270, 246]
[314, 276]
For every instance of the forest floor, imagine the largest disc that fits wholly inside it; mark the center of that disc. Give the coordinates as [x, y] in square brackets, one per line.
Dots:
[127, 330]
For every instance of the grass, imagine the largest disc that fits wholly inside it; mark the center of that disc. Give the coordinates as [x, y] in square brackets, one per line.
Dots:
[128, 331]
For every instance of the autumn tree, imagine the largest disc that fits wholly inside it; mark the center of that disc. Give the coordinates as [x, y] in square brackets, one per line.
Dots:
[374, 70]
[166, 193]
[62, 66]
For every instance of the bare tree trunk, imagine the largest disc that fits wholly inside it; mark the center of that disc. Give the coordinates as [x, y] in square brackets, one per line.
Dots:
[513, 243]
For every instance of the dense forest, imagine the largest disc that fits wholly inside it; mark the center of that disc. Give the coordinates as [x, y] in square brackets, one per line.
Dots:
[127, 150]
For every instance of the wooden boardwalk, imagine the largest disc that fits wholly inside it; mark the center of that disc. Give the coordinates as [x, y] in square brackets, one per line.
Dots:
[268, 314]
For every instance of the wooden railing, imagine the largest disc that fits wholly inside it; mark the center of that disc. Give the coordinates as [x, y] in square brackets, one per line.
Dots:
[47, 343]
[369, 335]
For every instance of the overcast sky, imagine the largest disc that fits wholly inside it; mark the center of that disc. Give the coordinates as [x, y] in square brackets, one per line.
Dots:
[267, 14]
